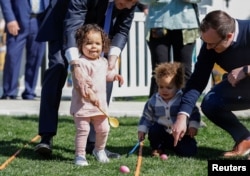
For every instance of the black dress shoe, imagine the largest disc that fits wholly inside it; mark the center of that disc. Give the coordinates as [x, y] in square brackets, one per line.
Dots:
[28, 96]
[44, 148]
[5, 97]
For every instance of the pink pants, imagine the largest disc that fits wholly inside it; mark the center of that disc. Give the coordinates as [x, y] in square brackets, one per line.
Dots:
[101, 126]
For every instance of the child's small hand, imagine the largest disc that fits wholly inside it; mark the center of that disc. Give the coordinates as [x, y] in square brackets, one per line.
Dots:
[93, 98]
[119, 78]
[141, 136]
[192, 131]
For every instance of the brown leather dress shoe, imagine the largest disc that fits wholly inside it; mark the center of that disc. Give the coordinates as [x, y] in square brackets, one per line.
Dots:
[242, 149]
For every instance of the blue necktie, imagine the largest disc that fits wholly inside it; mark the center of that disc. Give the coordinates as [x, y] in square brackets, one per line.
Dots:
[108, 17]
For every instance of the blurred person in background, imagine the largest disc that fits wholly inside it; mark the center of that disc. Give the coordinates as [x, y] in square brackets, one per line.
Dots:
[171, 24]
[2, 43]
[22, 24]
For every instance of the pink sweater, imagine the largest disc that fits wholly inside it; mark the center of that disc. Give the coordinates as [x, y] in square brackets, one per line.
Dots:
[98, 72]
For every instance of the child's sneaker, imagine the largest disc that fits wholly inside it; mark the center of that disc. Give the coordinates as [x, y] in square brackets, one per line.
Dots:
[81, 161]
[101, 156]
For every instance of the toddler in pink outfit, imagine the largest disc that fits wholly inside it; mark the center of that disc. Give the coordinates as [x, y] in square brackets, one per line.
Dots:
[92, 42]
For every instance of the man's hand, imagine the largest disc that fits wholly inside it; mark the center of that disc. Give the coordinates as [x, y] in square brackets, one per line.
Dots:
[13, 27]
[81, 81]
[112, 61]
[235, 76]
[119, 78]
[179, 128]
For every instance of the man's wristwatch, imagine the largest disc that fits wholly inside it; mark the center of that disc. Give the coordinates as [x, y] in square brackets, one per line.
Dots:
[245, 70]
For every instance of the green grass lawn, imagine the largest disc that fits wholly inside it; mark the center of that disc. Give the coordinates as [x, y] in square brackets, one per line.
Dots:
[15, 132]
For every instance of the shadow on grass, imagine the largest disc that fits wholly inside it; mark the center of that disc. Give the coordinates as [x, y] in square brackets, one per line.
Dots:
[204, 153]
[63, 154]
[9, 148]
[62, 119]
[127, 124]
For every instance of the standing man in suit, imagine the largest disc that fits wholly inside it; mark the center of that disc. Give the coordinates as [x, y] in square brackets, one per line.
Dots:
[22, 25]
[79, 13]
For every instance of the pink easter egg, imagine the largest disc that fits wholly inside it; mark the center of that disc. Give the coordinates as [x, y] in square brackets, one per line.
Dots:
[164, 157]
[124, 169]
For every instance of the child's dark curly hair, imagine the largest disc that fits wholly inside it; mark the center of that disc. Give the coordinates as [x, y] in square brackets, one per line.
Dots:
[174, 69]
[83, 31]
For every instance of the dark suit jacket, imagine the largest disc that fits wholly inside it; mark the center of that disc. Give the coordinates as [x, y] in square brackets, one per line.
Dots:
[51, 27]
[93, 11]
[19, 10]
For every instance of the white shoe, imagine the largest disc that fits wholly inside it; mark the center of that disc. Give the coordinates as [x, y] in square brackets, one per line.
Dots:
[81, 161]
[101, 156]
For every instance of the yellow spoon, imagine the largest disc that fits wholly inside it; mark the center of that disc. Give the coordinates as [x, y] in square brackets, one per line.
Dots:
[112, 120]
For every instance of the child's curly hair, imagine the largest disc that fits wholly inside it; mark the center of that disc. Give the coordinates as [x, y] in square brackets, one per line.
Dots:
[82, 33]
[174, 70]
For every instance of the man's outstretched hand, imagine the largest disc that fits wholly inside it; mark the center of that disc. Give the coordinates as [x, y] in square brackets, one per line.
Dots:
[179, 128]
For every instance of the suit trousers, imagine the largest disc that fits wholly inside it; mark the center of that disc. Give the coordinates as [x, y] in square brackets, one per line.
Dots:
[53, 83]
[34, 56]
[221, 100]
